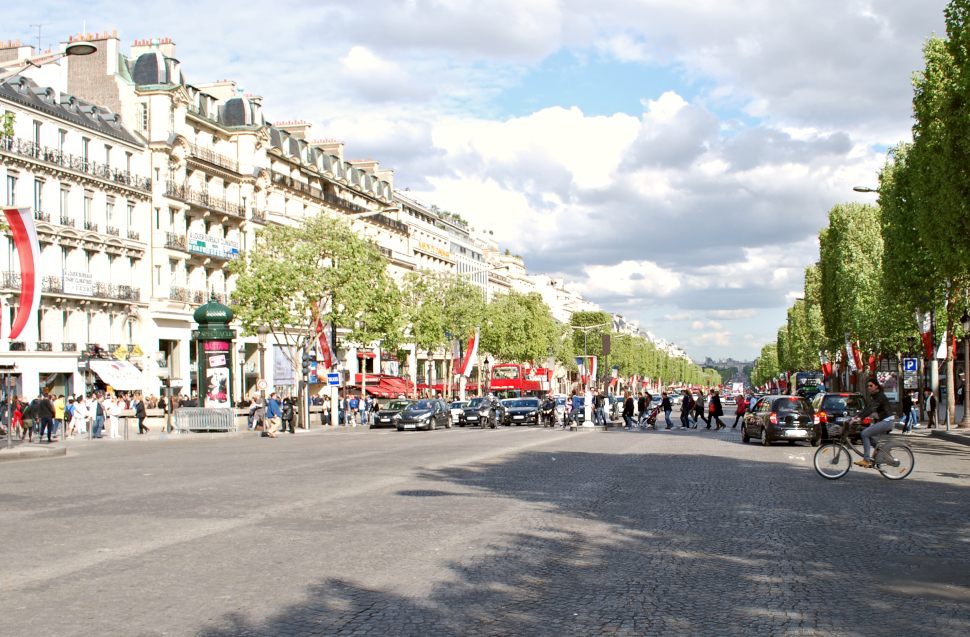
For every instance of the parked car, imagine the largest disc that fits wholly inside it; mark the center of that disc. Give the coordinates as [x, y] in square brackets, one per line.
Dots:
[457, 410]
[521, 411]
[789, 418]
[486, 411]
[729, 399]
[425, 414]
[386, 416]
[833, 410]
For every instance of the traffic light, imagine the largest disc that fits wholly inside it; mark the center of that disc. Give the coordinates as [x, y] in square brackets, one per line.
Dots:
[309, 358]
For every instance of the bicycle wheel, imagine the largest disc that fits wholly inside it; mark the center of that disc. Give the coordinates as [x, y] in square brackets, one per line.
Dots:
[895, 461]
[832, 461]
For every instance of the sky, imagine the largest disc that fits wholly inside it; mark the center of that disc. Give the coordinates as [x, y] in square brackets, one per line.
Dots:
[672, 161]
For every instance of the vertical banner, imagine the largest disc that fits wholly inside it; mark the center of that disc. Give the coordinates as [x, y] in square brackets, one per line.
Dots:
[24, 236]
[924, 321]
[850, 355]
[326, 347]
[471, 355]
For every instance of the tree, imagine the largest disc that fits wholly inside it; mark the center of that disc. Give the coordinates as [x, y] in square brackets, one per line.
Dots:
[590, 340]
[319, 268]
[765, 366]
[520, 328]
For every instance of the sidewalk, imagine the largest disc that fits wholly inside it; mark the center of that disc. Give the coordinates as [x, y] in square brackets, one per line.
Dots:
[30, 450]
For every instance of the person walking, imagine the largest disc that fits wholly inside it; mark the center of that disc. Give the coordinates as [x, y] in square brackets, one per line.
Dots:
[700, 409]
[112, 407]
[686, 406]
[274, 416]
[667, 408]
[59, 406]
[577, 407]
[627, 410]
[740, 410]
[79, 417]
[45, 416]
[286, 414]
[907, 408]
[354, 409]
[140, 414]
[642, 406]
[97, 431]
[930, 406]
[17, 420]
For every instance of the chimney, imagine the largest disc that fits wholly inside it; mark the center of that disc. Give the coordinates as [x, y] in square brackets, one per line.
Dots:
[297, 128]
[386, 174]
[222, 90]
[93, 77]
[369, 166]
[13, 50]
[164, 45]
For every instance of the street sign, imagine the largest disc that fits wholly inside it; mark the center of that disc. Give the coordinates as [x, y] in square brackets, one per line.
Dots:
[333, 380]
[909, 364]
[261, 384]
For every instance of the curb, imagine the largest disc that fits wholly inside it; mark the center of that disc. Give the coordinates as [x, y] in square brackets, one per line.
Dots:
[960, 439]
[31, 453]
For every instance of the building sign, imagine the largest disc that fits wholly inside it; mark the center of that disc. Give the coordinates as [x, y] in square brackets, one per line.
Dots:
[210, 246]
[80, 283]
[424, 246]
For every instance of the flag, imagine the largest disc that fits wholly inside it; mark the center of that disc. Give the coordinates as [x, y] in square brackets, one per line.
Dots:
[471, 355]
[924, 321]
[851, 355]
[24, 236]
[326, 347]
[941, 350]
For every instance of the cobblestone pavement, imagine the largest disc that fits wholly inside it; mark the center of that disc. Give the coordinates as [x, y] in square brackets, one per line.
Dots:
[471, 532]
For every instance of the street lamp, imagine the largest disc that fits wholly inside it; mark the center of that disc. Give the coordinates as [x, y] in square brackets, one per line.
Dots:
[261, 332]
[19, 66]
[865, 189]
[965, 322]
[242, 371]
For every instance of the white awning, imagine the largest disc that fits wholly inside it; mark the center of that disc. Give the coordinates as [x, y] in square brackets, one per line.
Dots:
[118, 374]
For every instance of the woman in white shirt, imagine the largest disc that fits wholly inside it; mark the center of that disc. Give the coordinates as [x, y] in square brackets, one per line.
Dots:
[112, 405]
[80, 417]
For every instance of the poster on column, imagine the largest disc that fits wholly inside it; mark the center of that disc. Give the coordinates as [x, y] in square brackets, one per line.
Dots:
[217, 373]
[283, 372]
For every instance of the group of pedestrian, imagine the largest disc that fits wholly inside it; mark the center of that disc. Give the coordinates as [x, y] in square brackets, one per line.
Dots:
[49, 416]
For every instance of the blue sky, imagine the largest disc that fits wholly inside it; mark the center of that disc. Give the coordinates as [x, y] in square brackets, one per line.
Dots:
[679, 158]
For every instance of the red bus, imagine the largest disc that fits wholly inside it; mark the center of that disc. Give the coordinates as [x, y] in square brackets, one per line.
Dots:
[512, 380]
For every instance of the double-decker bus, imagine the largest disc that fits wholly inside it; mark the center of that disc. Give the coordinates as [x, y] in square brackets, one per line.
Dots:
[512, 380]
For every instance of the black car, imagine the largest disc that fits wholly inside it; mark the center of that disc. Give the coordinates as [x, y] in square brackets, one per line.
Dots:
[833, 410]
[485, 411]
[521, 411]
[425, 414]
[789, 418]
[386, 416]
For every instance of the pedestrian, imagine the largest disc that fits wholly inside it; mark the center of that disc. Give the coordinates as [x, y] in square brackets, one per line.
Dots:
[31, 421]
[59, 406]
[45, 416]
[642, 405]
[907, 408]
[112, 408]
[286, 414]
[930, 407]
[914, 409]
[17, 420]
[274, 416]
[627, 410]
[79, 417]
[577, 407]
[740, 410]
[716, 411]
[140, 414]
[354, 406]
[665, 406]
[699, 409]
[686, 406]
[599, 413]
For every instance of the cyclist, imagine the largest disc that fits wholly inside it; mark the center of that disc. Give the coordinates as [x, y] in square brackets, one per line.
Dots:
[878, 405]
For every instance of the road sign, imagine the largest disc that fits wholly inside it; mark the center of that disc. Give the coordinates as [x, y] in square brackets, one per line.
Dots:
[333, 380]
[909, 364]
[261, 384]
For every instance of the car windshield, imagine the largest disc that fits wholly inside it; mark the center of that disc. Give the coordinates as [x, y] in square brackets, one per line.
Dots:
[521, 402]
[561, 402]
[459, 404]
[422, 405]
[792, 405]
[398, 405]
[852, 402]
[476, 402]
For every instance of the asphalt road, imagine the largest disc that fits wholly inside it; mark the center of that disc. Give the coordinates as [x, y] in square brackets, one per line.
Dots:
[470, 532]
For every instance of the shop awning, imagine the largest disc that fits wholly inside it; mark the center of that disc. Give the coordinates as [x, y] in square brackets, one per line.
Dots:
[118, 374]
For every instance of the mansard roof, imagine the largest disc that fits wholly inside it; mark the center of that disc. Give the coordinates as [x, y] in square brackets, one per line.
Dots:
[24, 91]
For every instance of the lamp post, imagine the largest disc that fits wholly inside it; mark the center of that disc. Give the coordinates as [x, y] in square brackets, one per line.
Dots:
[261, 332]
[242, 371]
[19, 66]
[965, 322]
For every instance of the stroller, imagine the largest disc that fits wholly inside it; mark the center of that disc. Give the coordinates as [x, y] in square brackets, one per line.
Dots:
[651, 418]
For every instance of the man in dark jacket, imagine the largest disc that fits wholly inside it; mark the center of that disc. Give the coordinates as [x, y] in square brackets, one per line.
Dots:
[716, 411]
[44, 414]
[642, 405]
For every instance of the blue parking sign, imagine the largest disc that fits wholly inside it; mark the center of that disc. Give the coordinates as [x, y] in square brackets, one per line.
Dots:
[909, 364]
[333, 380]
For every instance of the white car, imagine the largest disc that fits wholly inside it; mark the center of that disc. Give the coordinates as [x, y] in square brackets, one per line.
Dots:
[457, 409]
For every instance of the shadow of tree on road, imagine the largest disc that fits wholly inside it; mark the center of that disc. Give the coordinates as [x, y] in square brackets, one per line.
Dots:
[636, 544]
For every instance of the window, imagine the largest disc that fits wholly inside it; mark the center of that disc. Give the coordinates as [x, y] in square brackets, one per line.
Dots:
[110, 211]
[128, 162]
[144, 116]
[131, 215]
[37, 132]
[158, 275]
[85, 149]
[107, 155]
[38, 194]
[61, 139]
[158, 174]
[11, 188]
[87, 209]
[65, 196]
[158, 219]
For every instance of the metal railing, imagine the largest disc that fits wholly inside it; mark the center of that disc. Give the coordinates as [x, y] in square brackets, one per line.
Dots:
[176, 241]
[67, 221]
[387, 222]
[210, 156]
[259, 216]
[113, 231]
[204, 419]
[91, 225]
[68, 347]
[42, 216]
[176, 293]
[44, 346]
[132, 234]
[52, 156]
[203, 199]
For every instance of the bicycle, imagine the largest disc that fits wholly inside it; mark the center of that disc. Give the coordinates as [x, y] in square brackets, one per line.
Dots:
[894, 460]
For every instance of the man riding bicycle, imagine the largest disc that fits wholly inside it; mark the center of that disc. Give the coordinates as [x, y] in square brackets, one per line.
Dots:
[878, 405]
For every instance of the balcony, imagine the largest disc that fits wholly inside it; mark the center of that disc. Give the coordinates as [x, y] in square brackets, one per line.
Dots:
[386, 252]
[338, 202]
[174, 190]
[67, 221]
[387, 222]
[279, 179]
[42, 216]
[259, 216]
[18, 346]
[44, 346]
[114, 232]
[201, 296]
[91, 225]
[209, 156]
[176, 241]
[203, 199]
[68, 347]
[134, 235]
[176, 293]
[53, 157]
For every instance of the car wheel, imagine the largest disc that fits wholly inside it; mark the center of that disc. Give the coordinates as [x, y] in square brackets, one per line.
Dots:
[448, 424]
[816, 440]
[764, 438]
[432, 424]
[400, 428]
[745, 438]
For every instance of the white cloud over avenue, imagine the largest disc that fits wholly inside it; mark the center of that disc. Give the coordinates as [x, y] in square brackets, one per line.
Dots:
[695, 212]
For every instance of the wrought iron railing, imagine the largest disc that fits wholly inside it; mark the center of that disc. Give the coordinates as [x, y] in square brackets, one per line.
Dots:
[91, 225]
[176, 241]
[42, 216]
[259, 216]
[68, 347]
[44, 346]
[210, 156]
[114, 232]
[132, 234]
[67, 220]
[176, 293]
[25, 148]
[18, 346]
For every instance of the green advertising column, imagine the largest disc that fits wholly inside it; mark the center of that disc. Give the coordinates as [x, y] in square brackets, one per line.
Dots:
[214, 354]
